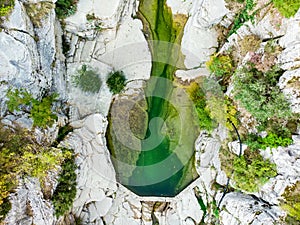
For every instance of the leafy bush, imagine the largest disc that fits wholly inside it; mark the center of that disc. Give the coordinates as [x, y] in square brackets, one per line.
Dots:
[291, 203]
[259, 94]
[6, 7]
[231, 114]
[116, 81]
[65, 191]
[198, 97]
[18, 99]
[287, 8]
[65, 8]
[243, 17]
[5, 206]
[21, 155]
[220, 65]
[87, 80]
[271, 140]
[39, 111]
[251, 171]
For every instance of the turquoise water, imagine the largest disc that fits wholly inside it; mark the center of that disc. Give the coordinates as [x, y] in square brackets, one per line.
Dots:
[163, 165]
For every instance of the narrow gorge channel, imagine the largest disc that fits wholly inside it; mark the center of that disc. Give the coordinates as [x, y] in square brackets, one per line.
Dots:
[162, 121]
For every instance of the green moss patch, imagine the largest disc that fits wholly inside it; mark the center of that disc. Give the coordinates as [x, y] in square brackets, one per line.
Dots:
[287, 8]
[291, 203]
[6, 7]
[251, 171]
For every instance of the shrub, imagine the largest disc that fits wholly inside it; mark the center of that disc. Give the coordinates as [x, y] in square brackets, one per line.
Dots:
[39, 111]
[220, 65]
[252, 171]
[65, 191]
[291, 203]
[87, 80]
[231, 114]
[65, 8]
[5, 206]
[259, 94]
[6, 7]
[287, 8]
[197, 95]
[21, 155]
[271, 140]
[243, 17]
[116, 82]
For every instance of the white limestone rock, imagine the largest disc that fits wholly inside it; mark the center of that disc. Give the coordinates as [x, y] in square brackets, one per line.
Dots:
[289, 83]
[200, 40]
[180, 7]
[287, 161]
[95, 176]
[188, 207]
[88, 103]
[243, 209]
[29, 206]
[235, 148]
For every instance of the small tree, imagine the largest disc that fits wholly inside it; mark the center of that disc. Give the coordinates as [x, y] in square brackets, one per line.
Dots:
[116, 81]
[87, 80]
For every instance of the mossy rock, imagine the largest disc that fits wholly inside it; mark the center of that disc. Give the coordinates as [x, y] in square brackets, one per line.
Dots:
[6, 7]
[39, 12]
[287, 8]
[291, 203]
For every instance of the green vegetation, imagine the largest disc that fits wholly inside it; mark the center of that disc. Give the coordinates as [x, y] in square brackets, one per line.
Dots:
[116, 81]
[95, 21]
[249, 43]
[220, 65]
[259, 94]
[243, 17]
[65, 191]
[5, 206]
[6, 7]
[291, 203]
[271, 140]
[87, 80]
[21, 156]
[198, 97]
[39, 111]
[287, 8]
[65, 8]
[63, 132]
[251, 171]
[231, 114]
[38, 11]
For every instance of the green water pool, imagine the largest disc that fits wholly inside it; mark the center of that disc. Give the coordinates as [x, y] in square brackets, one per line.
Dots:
[161, 163]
